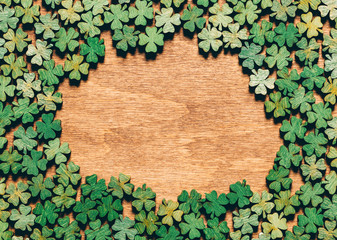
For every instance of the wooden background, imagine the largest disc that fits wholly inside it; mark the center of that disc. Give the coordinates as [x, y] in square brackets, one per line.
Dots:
[178, 122]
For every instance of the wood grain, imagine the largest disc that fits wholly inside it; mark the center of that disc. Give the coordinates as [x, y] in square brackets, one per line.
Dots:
[178, 122]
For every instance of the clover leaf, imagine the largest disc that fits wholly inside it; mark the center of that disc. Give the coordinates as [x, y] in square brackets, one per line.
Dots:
[259, 79]
[23, 218]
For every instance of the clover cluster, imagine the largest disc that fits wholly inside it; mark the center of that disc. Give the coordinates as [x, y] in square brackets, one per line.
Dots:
[39, 185]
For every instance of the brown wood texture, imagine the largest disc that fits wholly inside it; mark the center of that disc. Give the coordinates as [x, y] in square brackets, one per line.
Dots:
[178, 122]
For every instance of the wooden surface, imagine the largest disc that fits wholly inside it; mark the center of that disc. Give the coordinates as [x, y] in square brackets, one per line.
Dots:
[179, 122]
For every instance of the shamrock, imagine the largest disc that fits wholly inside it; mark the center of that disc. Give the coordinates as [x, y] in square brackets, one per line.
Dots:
[16, 40]
[117, 16]
[193, 18]
[251, 56]
[46, 213]
[329, 232]
[330, 8]
[284, 201]
[171, 233]
[50, 73]
[304, 5]
[239, 193]
[262, 33]
[332, 154]
[309, 193]
[4, 215]
[220, 15]
[332, 131]
[330, 65]
[261, 204]
[237, 235]
[67, 231]
[25, 139]
[64, 197]
[3, 50]
[97, 231]
[23, 108]
[45, 234]
[93, 188]
[38, 186]
[293, 128]
[109, 207]
[68, 174]
[128, 36]
[330, 42]
[313, 76]
[320, 114]
[66, 39]
[144, 198]
[286, 35]
[192, 226]
[70, 11]
[312, 168]
[7, 19]
[311, 220]
[330, 207]
[167, 20]
[282, 9]
[245, 221]
[40, 52]
[278, 178]
[298, 234]
[302, 99]
[280, 106]
[85, 209]
[289, 156]
[192, 202]
[96, 6]
[247, 13]
[311, 25]
[209, 38]
[10, 160]
[276, 223]
[90, 24]
[54, 150]
[49, 99]
[16, 66]
[234, 36]
[260, 80]
[309, 51]
[170, 211]
[26, 85]
[52, 3]
[23, 218]
[47, 26]
[93, 48]
[215, 230]
[330, 182]
[315, 143]
[121, 186]
[6, 116]
[48, 126]
[142, 12]
[17, 194]
[27, 11]
[278, 57]
[124, 228]
[75, 65]
[286, 81]
[146, 222]
[6, 89]
[214, 205]
[34, 164]
[330, 88]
